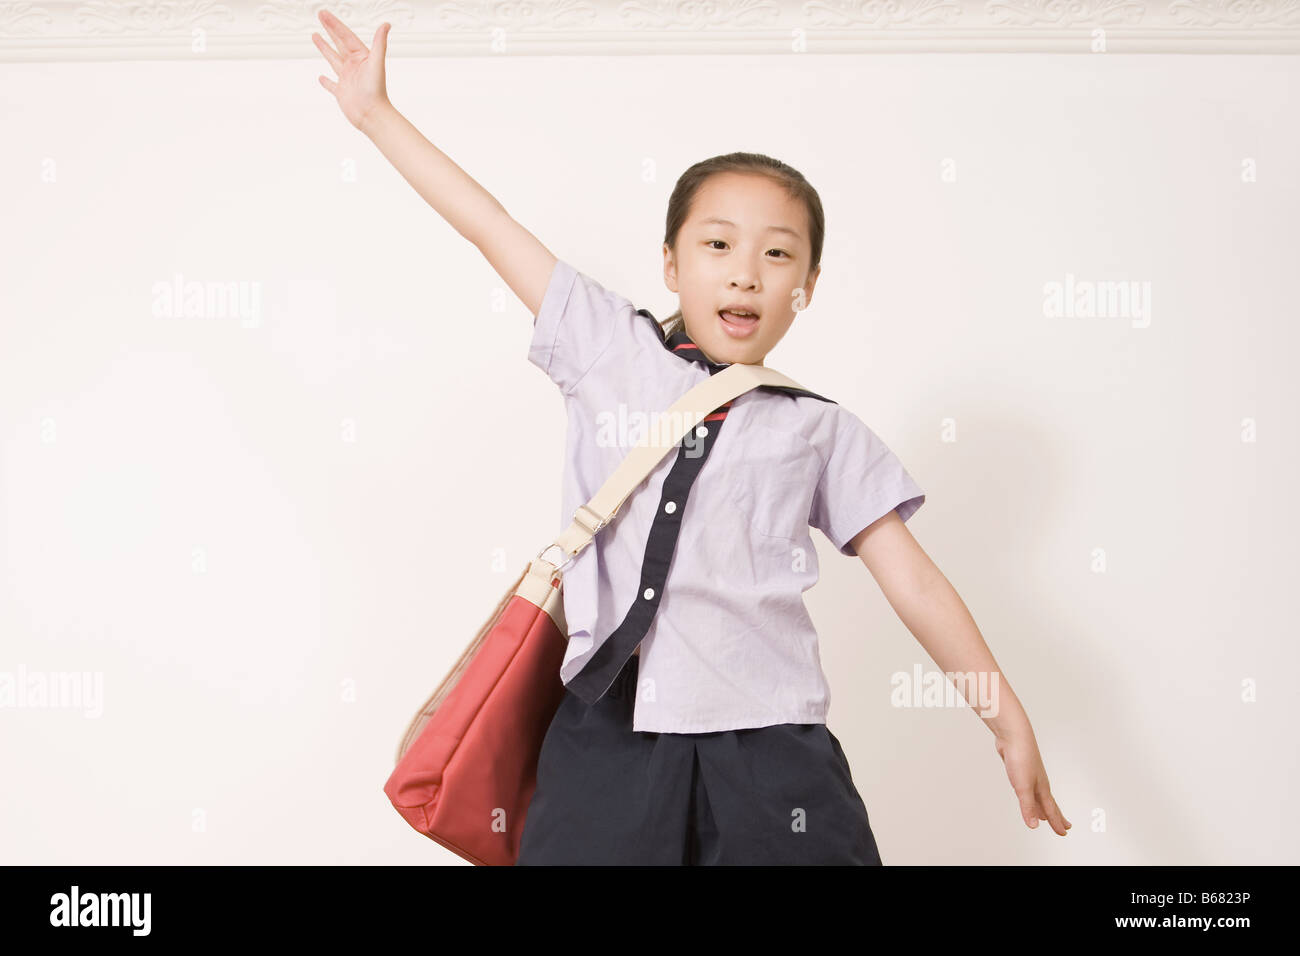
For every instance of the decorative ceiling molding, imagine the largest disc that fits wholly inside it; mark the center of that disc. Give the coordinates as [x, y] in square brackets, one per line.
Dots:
[32, 30]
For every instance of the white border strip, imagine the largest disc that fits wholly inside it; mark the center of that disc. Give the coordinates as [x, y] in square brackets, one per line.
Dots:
[31, 30]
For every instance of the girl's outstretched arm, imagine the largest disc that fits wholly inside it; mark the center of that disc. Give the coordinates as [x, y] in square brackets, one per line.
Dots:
[514, 252]
[932, 610]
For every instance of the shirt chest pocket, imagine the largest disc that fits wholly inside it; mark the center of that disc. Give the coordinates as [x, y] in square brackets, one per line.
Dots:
[776, 473]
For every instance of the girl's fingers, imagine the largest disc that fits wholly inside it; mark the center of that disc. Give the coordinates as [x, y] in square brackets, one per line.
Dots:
[329, 85]
[380, 46]
[345, 38]
[327, 51]
[1029, 809]
[1054, 816]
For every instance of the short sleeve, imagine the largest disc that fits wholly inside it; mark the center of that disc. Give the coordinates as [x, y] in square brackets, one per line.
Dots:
[862, 481]
[578, 321]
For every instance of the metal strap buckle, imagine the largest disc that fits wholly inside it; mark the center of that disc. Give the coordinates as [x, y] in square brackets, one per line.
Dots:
[568, 558]
[579, 517]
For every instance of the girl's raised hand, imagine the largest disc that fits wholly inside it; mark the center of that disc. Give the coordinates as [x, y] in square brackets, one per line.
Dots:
[360, 88]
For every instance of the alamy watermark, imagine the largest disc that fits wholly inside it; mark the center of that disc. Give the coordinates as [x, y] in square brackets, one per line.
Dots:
[978, 689]
[1100, 299]
[65, 690]
[624, 428]
[102, 909]
[212, 299]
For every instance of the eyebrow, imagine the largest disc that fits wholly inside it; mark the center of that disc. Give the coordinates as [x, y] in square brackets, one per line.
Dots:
[728, 222]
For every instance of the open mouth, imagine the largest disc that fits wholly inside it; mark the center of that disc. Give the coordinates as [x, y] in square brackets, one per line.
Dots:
[738, 324]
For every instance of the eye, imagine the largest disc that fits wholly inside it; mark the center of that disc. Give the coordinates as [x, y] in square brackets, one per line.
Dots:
[722, 242]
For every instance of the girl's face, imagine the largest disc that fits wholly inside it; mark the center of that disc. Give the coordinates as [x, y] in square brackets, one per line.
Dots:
[745, 245]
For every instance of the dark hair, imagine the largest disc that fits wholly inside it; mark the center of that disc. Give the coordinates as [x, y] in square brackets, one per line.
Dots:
[689, 183]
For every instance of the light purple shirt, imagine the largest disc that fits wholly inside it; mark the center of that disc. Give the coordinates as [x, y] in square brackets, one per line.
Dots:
[731, 645]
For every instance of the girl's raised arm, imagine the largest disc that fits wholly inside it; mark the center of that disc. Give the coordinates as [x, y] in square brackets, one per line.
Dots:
[515, 253]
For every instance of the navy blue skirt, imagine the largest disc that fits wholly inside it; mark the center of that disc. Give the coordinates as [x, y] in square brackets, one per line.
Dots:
[609, 795]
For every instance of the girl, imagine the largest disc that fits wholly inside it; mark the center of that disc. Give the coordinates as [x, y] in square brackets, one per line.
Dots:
[693, 725]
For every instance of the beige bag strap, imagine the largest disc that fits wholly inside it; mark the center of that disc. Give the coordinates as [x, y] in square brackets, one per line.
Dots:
[662, 436]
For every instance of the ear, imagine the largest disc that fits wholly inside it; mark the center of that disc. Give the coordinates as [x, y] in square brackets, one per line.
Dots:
[808, 286]
[670, 269]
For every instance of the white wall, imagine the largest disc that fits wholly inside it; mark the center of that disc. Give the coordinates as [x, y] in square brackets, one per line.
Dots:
[181, 513]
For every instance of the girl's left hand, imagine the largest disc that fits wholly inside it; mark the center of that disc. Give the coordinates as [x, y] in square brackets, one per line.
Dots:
[360, 88]
[1029, 781]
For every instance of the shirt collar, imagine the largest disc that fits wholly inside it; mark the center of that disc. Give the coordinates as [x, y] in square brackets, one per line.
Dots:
[680, 344]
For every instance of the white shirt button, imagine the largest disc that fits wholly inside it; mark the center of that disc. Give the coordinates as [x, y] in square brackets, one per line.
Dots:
[670, 507]
[649, 593]
[701, 430]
